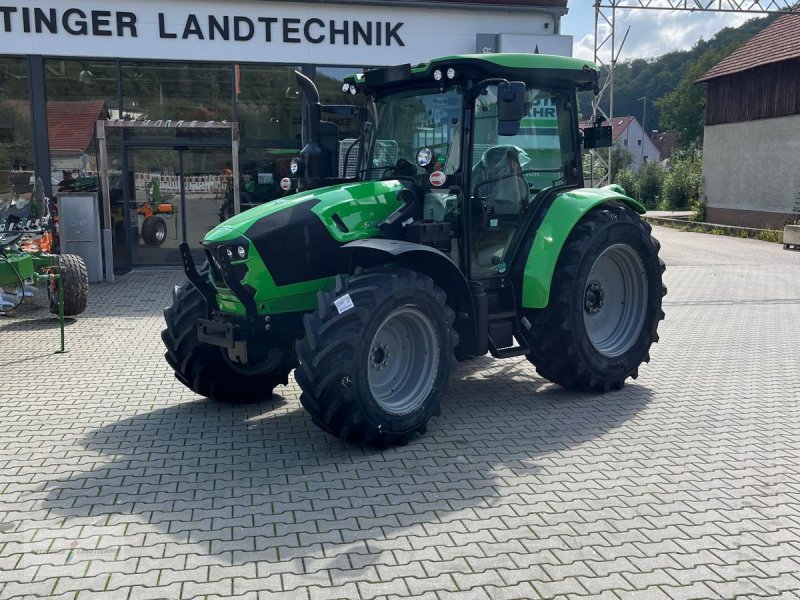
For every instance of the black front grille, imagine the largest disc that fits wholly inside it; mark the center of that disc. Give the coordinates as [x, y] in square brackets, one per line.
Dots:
[215, 266]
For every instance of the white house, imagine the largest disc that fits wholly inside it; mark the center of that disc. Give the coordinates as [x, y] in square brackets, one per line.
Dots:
[628, 133]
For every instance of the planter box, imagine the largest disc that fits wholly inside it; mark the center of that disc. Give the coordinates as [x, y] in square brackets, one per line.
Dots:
[791, 237]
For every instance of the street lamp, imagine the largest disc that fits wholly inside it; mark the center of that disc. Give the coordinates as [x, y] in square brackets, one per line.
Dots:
[644, 118]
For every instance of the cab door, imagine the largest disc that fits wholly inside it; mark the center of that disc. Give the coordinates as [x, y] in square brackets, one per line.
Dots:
[508, 172]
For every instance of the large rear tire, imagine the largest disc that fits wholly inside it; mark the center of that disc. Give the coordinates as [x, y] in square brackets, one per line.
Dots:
[376, 357]
[75, 279]
[206, 369]
[605, 304]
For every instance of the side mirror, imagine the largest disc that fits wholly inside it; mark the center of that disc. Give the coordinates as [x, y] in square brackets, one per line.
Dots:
[597, 136]
[510, 107]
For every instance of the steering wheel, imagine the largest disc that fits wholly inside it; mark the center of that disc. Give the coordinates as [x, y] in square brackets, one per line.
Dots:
[491, 203]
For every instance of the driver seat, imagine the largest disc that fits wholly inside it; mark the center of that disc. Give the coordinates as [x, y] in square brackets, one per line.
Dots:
[497, 178]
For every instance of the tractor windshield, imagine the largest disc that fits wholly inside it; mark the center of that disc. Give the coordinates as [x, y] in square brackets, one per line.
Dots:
[401, 123]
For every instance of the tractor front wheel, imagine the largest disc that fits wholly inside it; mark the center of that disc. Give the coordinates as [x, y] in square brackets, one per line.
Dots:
[605, 304]
[376, 357]
[154, 231]
[206, 369]
[75, 280]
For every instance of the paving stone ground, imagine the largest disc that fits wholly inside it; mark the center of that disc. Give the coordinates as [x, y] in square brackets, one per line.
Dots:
[117, 482]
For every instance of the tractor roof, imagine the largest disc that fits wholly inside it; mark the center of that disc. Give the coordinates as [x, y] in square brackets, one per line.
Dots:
[544, 68]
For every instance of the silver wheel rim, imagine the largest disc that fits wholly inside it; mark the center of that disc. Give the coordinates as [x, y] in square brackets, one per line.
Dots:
[615, 300]
[161, 231]
[403, 361]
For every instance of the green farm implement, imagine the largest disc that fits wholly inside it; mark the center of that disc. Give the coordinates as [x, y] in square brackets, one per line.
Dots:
[27, 260]
[463, 230]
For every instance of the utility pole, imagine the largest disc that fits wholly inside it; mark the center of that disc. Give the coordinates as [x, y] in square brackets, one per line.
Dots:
[644, 129]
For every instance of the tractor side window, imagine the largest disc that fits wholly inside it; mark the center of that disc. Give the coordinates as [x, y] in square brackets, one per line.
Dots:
[406, 121]
[509, 171]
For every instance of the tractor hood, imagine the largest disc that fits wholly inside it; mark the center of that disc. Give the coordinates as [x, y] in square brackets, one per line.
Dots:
[294, 244]
[360, 207]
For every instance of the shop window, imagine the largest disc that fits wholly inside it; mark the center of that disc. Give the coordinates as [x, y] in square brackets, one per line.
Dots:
[16, 144]
[268, 106]
[79, 92]
[189, 92]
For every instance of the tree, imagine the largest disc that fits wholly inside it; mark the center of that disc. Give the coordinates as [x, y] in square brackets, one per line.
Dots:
[657, 77]
[621, 159]
[683, 184]
[649, 180]
[683, 109]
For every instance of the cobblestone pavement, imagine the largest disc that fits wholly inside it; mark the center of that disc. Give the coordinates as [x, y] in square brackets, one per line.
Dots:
[116, 482]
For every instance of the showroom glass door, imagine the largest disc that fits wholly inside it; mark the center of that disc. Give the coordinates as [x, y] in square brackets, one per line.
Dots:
[175, 194]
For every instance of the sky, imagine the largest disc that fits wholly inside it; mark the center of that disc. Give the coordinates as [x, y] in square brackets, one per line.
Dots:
[652, 32]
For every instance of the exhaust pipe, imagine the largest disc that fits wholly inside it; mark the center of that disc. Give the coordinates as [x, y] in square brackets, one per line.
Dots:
[315, 156]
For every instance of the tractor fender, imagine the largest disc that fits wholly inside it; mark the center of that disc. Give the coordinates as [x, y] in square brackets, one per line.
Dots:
[566, 210]
[434, 264]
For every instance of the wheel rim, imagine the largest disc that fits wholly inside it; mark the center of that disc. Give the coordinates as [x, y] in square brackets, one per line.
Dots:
[615, 300]
[403, 361]
[161, 231]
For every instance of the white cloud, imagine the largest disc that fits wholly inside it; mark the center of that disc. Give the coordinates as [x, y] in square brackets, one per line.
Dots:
[656, 32]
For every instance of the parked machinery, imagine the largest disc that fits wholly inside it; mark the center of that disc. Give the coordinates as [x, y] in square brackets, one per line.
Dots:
[463, 230]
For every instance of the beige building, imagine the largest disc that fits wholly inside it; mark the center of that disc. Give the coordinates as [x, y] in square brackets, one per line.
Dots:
[751, 149]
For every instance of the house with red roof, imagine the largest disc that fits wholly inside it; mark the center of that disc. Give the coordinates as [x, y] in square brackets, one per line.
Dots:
[71, 128]
[628, 133]
[751, 147]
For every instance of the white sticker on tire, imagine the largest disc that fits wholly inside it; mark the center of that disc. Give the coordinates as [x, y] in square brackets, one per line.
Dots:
[343, 303]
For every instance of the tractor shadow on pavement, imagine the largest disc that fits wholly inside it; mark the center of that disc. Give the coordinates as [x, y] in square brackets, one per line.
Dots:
[43, 324]
[262, 483]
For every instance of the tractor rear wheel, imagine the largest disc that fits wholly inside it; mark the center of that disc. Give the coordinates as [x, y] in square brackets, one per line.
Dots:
[75, 280]
[376, 357]
[605, 304]
[154, 231]
[206, 369]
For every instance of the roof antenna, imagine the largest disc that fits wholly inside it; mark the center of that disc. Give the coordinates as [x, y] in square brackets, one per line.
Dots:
[536, 50]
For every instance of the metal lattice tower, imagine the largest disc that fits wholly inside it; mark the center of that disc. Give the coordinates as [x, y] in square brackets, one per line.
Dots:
[606, 50]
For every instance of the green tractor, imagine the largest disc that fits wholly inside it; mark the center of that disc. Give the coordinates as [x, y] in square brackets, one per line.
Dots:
[461, 229]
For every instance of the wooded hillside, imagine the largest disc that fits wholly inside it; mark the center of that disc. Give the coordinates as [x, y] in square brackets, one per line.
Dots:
[674, 102]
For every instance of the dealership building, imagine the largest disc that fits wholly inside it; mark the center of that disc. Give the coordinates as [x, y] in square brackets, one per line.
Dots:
[200, 96]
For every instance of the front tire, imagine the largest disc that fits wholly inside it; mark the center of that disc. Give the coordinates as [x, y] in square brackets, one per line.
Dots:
[206, 369]
[376, 357]
[75, 281]
[605, 304]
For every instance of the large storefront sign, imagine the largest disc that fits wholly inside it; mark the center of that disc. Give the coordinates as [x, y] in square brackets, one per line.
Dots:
[250, 31]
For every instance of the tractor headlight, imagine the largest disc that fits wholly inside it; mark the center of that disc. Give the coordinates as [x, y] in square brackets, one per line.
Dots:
[424, 157]
[235, 252]
[451, 73]
[353, 90]
[345, 88]
[437, 74]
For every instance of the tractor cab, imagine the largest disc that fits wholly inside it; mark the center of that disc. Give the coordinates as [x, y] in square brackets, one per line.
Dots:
[477, 142]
